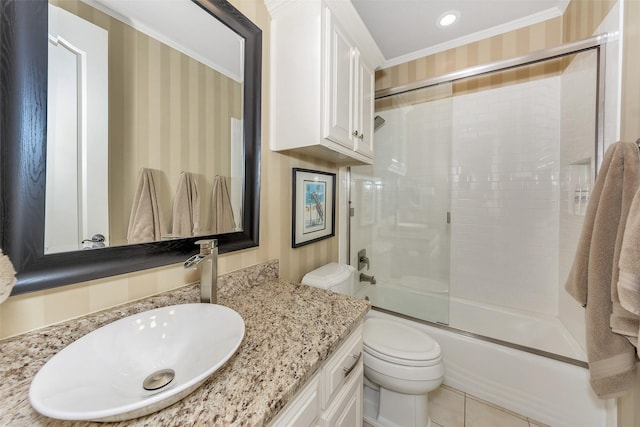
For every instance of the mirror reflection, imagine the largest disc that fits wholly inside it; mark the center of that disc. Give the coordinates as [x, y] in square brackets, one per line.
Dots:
[144, 138]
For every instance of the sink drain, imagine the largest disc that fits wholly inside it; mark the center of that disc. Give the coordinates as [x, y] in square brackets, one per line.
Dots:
[158, 379]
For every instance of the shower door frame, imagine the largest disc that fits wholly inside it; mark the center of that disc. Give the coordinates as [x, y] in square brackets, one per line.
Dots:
[597, 43]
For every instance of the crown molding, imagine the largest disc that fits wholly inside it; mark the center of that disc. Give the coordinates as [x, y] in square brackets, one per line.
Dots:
[274, 5]
[516, 24]
[348, 17]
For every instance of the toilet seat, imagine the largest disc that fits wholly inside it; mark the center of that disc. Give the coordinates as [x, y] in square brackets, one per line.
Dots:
[402, 362]
[400, 344]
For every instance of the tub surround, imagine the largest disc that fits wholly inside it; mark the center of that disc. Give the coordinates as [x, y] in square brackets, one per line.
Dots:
[290, 331]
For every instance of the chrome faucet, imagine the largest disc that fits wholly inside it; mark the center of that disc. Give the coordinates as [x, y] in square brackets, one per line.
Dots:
[367, 278]
[207, 259]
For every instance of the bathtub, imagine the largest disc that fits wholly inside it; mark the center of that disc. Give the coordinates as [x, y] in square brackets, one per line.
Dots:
[548, 390]
[527, 329]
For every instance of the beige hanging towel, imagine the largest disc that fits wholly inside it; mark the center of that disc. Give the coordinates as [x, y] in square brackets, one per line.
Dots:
[186, 207]
[7, 277]
[626, 310]
[594, 274]
[221, 212]
[144, 222]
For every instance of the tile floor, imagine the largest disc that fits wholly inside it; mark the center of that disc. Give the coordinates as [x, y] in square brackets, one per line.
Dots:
[452, 408]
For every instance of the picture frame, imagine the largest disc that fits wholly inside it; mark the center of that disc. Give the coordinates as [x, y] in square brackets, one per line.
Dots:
[313, 206]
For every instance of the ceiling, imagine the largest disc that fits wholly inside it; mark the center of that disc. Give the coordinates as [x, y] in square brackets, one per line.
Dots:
[407, 29]
[184, 27]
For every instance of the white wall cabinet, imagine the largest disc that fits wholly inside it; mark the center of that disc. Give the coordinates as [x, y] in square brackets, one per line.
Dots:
[365, 78]
[322, 80]
[334, 396]
[340, 89]
[349, 91]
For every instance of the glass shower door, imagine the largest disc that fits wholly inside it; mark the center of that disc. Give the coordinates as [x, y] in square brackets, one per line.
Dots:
[401, 208]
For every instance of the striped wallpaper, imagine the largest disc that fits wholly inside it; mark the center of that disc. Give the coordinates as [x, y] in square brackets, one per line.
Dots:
[475, 84]
[508, 77]
[579, 21]
[582, 18]
[167, 112]
[535, 37]
[630, 82]
[26, 312]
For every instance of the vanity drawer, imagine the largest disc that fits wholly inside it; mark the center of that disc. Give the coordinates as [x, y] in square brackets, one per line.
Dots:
[345, 410]
[341, 366]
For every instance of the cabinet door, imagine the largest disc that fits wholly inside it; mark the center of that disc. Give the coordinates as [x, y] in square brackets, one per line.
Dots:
[346, 408]
[364, 107]
[338, 117]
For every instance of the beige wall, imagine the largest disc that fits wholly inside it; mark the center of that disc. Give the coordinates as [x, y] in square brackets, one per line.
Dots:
[630, 72]
[629, 406]
[580, 20]
[167, 112]
[535, 37]
[26, 312]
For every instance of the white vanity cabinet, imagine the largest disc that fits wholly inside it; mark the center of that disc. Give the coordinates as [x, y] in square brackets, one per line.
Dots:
[322, 80]
[334, 396]
[346, 409]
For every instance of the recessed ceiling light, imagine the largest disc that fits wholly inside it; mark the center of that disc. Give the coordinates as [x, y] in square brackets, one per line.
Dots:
[448, 18]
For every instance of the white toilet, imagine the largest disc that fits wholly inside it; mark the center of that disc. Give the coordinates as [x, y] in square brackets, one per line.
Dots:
[401, 363]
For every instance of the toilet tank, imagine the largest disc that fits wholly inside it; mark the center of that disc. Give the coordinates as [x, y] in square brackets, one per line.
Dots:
[332, 277]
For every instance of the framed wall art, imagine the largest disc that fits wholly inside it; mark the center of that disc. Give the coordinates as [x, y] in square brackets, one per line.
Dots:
[314, 206]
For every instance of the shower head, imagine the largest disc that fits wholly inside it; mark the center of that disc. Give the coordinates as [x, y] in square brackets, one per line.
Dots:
[377, 123]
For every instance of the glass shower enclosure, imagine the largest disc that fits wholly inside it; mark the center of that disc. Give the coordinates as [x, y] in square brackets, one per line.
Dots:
[402, 202]
[472, 209]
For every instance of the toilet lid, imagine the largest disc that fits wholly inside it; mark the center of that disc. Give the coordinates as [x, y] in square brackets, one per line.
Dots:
[328, 275]
[399, 343]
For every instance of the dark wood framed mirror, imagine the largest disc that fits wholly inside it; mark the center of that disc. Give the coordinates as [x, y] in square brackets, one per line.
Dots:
[23, 145]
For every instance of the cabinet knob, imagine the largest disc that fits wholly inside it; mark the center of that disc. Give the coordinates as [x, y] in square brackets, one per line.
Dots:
[361, 136]
[355, 133]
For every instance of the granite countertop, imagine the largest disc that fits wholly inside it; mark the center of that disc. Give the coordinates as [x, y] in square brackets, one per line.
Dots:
[290, 330]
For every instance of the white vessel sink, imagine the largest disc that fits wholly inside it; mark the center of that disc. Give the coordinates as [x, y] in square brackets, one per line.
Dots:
[100, 377]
